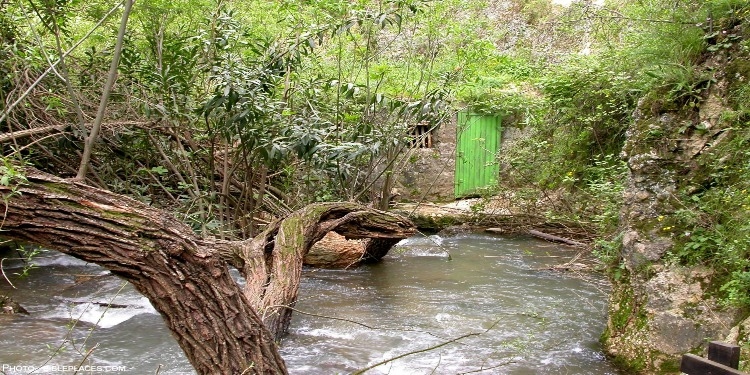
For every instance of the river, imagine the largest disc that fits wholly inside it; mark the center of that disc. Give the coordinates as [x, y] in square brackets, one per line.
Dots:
[470, 303]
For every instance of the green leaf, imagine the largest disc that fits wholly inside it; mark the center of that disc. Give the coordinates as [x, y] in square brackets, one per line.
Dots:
[160, 170]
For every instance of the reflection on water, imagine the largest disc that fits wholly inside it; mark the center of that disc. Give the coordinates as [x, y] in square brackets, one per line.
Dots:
[512, 317]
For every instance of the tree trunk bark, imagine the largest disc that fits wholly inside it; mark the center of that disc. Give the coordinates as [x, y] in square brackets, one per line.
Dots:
[186, 282]
[274, 258]
[186, 277]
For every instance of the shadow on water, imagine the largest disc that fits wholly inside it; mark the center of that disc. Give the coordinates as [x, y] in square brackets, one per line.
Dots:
[517, 318]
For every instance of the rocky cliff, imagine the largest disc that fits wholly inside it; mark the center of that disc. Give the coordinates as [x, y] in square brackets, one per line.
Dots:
[662, 307]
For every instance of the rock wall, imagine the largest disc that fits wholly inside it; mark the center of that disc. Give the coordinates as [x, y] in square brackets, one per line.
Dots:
[659, 310]
[427, 174]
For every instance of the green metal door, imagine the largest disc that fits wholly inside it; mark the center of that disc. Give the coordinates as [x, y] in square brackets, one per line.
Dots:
[477, 144]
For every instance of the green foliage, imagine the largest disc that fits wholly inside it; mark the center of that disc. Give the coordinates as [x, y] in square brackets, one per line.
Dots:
[607, 251]
[659, 32]
[676, 86]
[493, 97]
[11, 176]
[726, 14]
[8, 47]
[573, 141]
[27, 254]
[712, 227]
[594, 100]
[586, 115]
[736, 288]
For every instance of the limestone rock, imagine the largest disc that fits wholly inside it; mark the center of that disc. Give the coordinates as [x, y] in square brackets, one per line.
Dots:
[659, 310]
[681, 315]
[9, 306]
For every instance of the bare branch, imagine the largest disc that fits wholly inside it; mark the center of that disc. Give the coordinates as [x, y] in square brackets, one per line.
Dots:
[105, 95]
[425, 349]
[14, 136]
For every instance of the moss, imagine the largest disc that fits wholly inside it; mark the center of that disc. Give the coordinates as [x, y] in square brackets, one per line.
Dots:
[745, 357]
[691, 310]
[436, 222]
[625, 313]
[669, 366]
[605, 336]
[645, 269]
[738, 69]
[629, 366]
[622, 308]
[56, 187]
[649, 361]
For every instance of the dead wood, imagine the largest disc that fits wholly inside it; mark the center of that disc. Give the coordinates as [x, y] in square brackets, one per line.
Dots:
[553, 238]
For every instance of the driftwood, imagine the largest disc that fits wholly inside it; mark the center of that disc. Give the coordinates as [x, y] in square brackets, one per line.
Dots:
[102, 304]
[221, 327]
[553, 238]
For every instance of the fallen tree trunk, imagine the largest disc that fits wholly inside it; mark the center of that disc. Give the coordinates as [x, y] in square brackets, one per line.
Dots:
[553, 238]
[186, 277]
[336, 251]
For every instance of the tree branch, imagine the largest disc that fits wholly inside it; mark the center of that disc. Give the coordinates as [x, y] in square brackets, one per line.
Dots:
[13, 136]
[91, 139]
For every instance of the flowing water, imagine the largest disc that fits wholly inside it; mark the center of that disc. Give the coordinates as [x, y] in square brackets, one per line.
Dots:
[463, 304]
